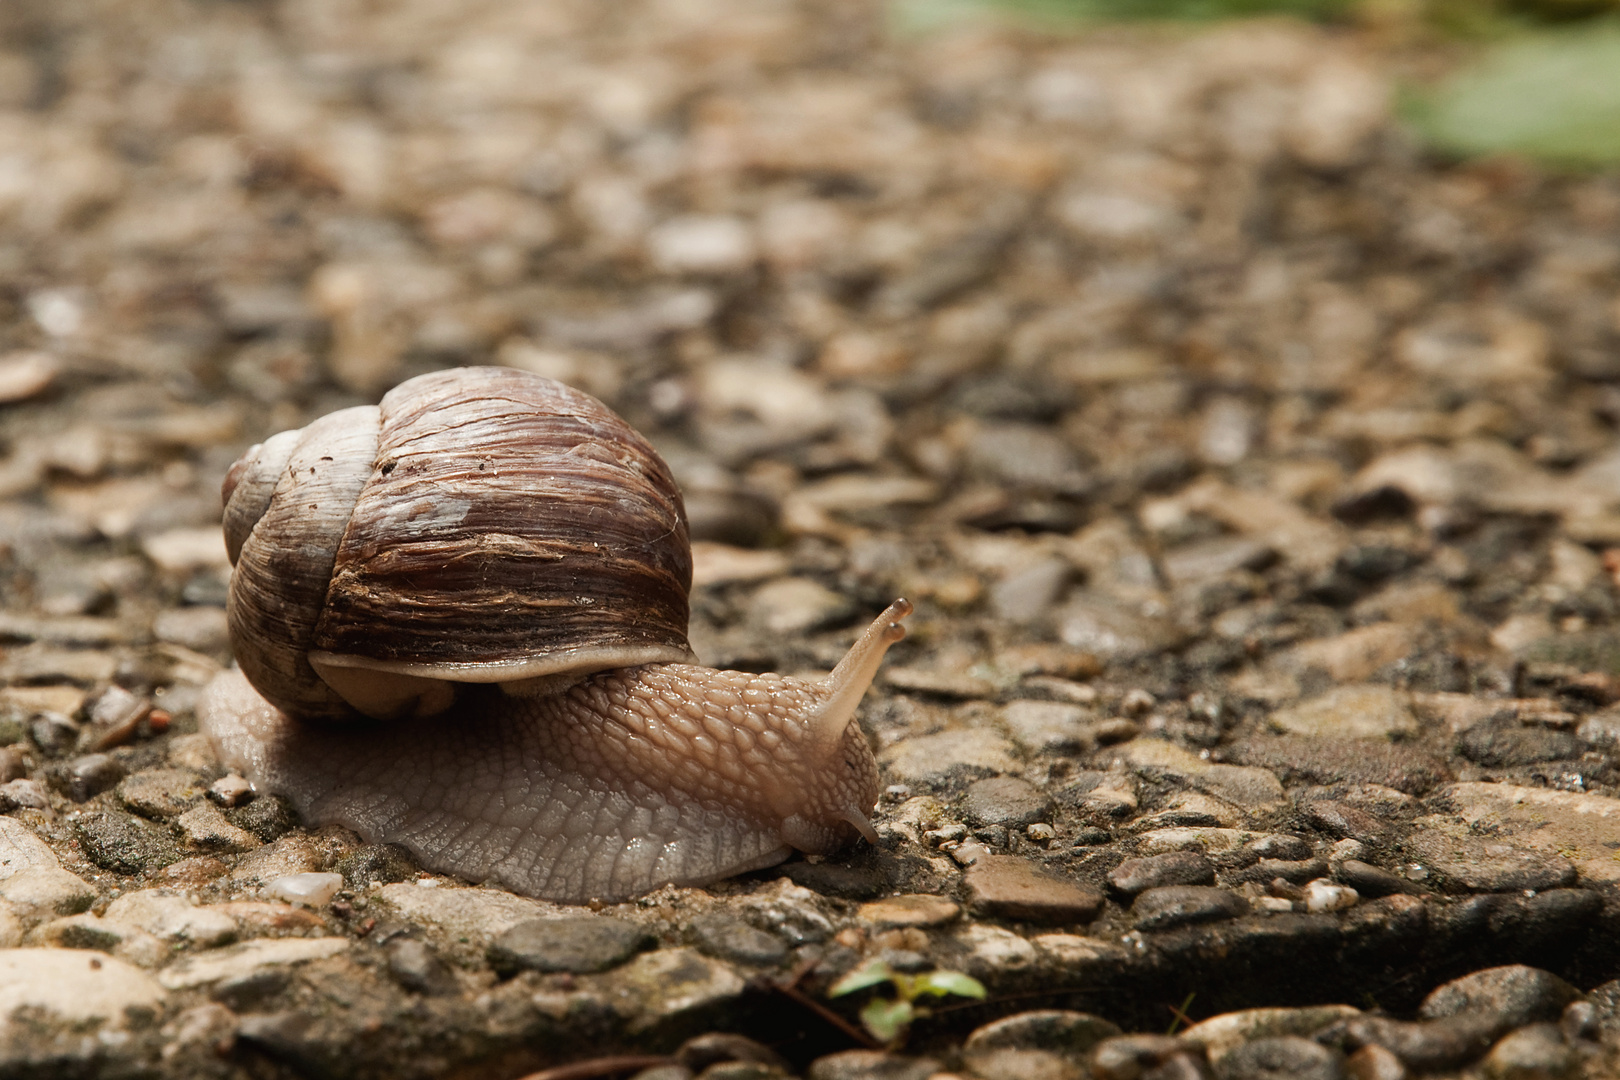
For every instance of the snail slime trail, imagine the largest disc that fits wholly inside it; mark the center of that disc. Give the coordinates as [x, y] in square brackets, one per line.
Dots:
[489, 665]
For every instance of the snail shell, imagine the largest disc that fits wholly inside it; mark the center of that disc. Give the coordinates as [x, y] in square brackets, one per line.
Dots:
[480, 525]
[460, 619]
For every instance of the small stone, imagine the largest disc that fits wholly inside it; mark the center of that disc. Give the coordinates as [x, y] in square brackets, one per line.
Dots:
[1180, 905]
[159, 793]
[182, 550]
[578, 944]
[1374, 1062]
[1514, 995]
[1042, 726]
[23, 794]
[415, 966]
[798, 606]
[871, 1065]
[1005, 800]
[1007, 887]
[268, 817]
[25, 374]
[124, 843]
[701, 244]
[1322, 895]
[1579, 1021]
[1503, 747]
[1220, 1035]
[1369, 880]
[1050, 1044]
[1283, 1057]
[41, 891]
[172, 918]
[236, 961]
[1488, 865]
[1105, 629]
[730, 938]
[1349, 712]
[202, 629]
[935, 760]
[1284, 846]
[230, 790]
[1131, 1057]
[87, 776]
[1172, 868]
[204, 828]
[1537, 1052]
[1342, 819]
[13, 766]
[386, 863]
[311, 890]
[1024, 596]
[910, 910]
[1422, 1046]
[669, 987]
[74, 990]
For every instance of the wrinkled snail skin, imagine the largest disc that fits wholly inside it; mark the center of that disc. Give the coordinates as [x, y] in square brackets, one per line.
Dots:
[460, 620]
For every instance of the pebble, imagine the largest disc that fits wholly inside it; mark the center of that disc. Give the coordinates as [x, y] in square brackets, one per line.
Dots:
[1135, 1057]
[1008, 887]
[13, 766]
[1374, 1062]
[790, 606]
[1105, 629]
[727, 937]
[26, 374]
[205, 828]
[1514, 995]
[172, 918]
[23, 795]
[1483, 865]
[1322, 895]
[309, 889]
[88, 776]
[1281, 1057]
[77, 990]
[872, 1065]
[202, 629]
[415, 966]
[578, 944]
[1170, 906]
[230, 790]
[1349, 712]
[39, 891]
[1007, 801]
[160, 793]
[1536, 1052]
[1369, 880]
[909, 910]
[124, 843]
[1172, 868]
[1051, 1044]
[1421, 1045]
[1050, 726]
[1219, 1035]
[1544, 821]
[249, 957]
[1343, 820]
[936, 760]
[668, 988]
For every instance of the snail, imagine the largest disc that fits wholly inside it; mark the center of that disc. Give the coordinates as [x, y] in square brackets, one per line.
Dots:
[459, 619]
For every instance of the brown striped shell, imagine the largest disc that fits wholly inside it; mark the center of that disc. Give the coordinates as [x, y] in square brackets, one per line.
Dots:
[479, 525]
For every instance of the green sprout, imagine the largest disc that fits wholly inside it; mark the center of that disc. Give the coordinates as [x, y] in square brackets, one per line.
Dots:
[888, 1019]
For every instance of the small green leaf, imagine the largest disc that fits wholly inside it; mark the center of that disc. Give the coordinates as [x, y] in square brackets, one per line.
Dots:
[870, 974]
[940, 983]
[886, 1020]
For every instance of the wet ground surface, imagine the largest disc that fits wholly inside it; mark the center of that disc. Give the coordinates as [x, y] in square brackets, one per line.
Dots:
[1253, 473]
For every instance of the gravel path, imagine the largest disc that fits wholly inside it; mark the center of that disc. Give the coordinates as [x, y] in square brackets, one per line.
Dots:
[1254, 475]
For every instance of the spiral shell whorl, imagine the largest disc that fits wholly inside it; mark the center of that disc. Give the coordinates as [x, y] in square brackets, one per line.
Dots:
[285, 556]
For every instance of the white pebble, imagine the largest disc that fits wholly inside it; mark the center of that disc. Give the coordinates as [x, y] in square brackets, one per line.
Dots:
[1273, 903]
[311, 890]
[1347, 849]
[1322, 895]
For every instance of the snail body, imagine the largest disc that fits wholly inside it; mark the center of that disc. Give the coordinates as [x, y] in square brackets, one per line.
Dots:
[460, 620]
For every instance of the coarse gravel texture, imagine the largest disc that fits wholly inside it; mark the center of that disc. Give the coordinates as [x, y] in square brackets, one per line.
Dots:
[1253, 472]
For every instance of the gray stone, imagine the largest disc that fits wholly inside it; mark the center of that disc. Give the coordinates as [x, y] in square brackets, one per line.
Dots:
[1422, 1045]
[1007, 801]
[204, 828]
[1281, 1057]
[1514, 995]
[871, 1065]
[121, 842]
[933, 760]
[1024, 597]
[41, 891]
[1369, 880]
[1343, 820]
[235, 961]
[160, 793]
[1283, 846]
[1586, 827]
[577, 943]
[385, 863]
[730, 938]
[87, 776]
[21, 850]
[1008, 887]
[415, 966]
[73, 990]
[1048, 1043]
[798, 606]
[1331, 761]
[1220, 1035]
[1172, 868]
[1040, 726]
[1485, 865]
[172, 918]
[669, 988]
[1349, 712]
[1537, 1052]
[23, 794]
[1130, 1057]
[1179, 905]
[1102, 627]
[1505, 747]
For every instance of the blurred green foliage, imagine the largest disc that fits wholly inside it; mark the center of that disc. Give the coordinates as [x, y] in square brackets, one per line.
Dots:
[1549, 95]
